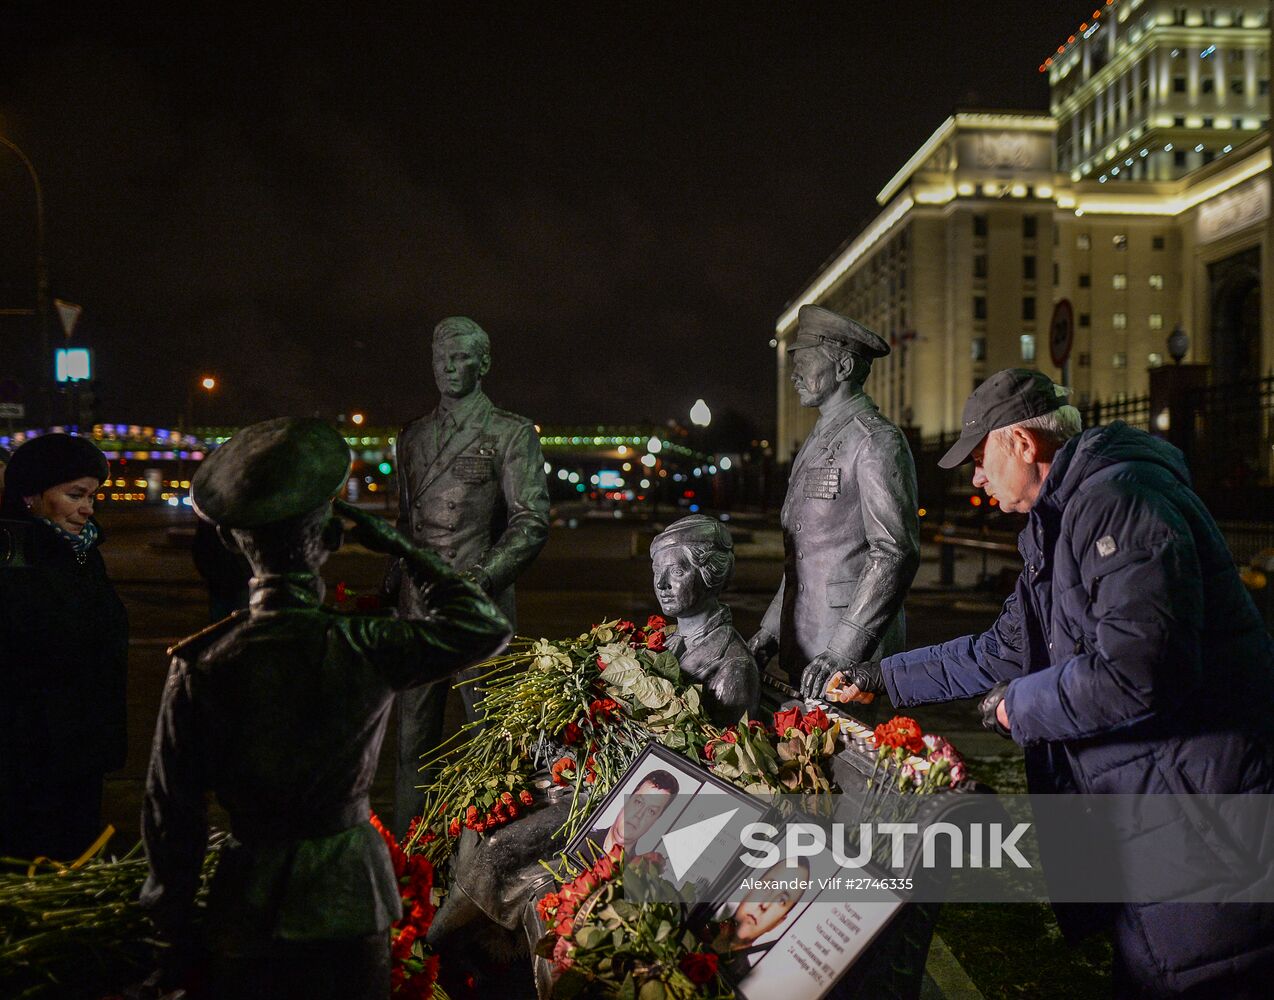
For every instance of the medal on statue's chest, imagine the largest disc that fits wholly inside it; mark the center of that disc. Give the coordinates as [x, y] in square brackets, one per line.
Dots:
[822, 482]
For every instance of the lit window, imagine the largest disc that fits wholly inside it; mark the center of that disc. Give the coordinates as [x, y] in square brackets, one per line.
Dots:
[978, 349]
[1156, 321]
[1120, 241]
[1156, 282]
[1028, 346]
[1120, 360]
[1119, 281]
[1119, 321]
[1155, 359]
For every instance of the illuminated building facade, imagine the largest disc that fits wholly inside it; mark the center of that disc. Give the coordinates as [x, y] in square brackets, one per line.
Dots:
[1142, 200]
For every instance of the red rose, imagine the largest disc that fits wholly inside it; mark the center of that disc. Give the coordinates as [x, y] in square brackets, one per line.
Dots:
[453, 830]
[572, 735]
[730, 736]
[656, 623]
[471, 814]
[605, 868]
[565, 927]
[700, 967]
[710, 749]
[563, 765]
[816, 719]
[600, 664]
[625, 627]
[787, 719]
[655, 642]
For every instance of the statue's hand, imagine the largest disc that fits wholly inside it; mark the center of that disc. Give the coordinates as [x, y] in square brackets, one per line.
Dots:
[819, 671]
[763, 646]
[860, 683]
[370, 531]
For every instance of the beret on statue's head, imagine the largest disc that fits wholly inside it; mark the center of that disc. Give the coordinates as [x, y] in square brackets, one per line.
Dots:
[696, 529]
[816, 325]
[271, 471]
[48, 460]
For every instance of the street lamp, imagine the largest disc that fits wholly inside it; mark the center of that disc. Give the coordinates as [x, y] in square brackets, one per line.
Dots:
[208, 382]
[41, 276]
[357, 419]
[700, 415]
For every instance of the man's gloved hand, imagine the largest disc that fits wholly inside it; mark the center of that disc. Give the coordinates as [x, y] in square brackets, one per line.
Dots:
[860, 683]
[763, 646]
[994, 716]
[818, 672]
[370, 531]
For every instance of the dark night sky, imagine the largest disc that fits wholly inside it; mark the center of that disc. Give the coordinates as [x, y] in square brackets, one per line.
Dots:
[624, 199]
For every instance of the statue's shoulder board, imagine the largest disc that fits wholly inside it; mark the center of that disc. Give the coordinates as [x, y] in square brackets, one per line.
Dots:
[192, 645]
[873, 420]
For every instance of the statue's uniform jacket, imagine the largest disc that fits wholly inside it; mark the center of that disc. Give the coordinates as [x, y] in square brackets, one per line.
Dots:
[280, 711]
[851, 540]
[476, 494]
[718, 658]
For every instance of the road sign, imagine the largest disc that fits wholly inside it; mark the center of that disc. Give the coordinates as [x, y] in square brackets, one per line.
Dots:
[1061, 333]
[69, 314]
[12, 411]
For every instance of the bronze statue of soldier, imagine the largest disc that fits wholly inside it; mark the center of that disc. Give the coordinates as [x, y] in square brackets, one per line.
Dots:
[851, 536]
[280, 710]
[692, 561]
[471, 486]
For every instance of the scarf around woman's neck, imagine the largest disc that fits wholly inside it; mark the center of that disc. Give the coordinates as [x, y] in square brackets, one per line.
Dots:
[82, 542]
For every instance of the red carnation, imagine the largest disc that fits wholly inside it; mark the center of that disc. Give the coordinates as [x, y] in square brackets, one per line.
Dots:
[816, 719]
[548, 904]
[453, 830]
[787, 719]
[572, 735]
[700, 967]
[602, 709]
[526, 797]
[900, 731]
[625, 627]
[563, 765]
[506, 798]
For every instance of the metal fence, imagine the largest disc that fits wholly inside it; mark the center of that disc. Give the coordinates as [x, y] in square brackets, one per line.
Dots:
[1228, 447]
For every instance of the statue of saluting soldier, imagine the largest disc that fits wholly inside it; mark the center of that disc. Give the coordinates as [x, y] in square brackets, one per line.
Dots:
[279, 711]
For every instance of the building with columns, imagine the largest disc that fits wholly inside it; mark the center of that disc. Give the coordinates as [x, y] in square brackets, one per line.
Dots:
[1141, 199]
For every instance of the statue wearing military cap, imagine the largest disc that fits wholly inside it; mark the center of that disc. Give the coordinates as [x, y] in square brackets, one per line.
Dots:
[471, 486]
[280, 711]
[850, 529]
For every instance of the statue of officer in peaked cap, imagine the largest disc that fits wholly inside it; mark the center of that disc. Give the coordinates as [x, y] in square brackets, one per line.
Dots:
[280, 710]
[471, 486]
[851, 536]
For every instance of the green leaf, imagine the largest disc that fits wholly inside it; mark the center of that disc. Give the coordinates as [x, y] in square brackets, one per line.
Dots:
[652, 990]
[665, 665]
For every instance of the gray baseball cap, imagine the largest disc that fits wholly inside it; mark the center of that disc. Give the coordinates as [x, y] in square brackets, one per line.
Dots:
[1007, 397]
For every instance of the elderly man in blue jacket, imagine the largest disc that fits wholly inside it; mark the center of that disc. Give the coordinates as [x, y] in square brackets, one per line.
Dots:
[1129, 659]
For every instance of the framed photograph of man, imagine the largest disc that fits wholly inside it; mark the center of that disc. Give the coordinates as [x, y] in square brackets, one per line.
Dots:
[666, 805]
